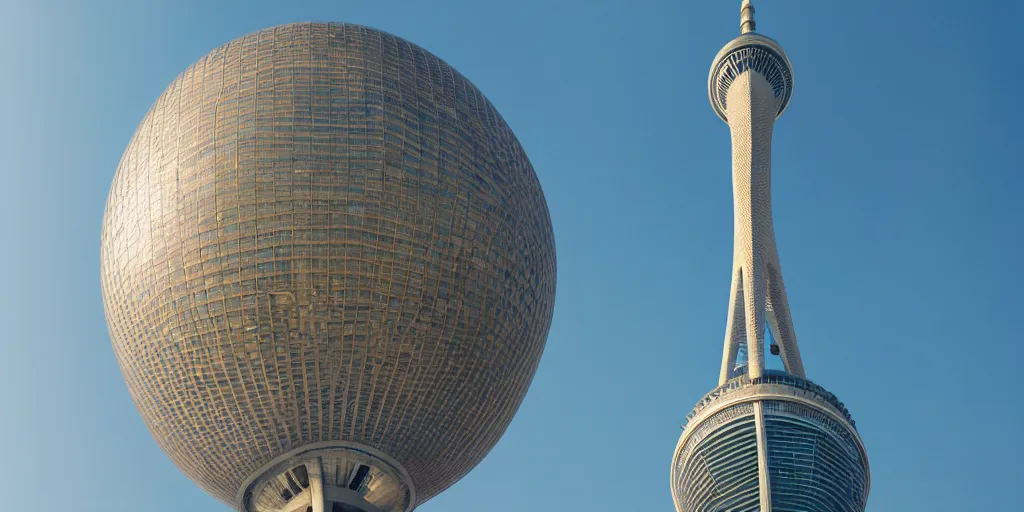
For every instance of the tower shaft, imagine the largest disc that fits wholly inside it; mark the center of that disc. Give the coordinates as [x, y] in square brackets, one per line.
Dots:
[757, 293]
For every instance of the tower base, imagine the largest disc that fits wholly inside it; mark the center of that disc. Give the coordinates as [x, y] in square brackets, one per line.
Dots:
[776, 443]
[329, 477]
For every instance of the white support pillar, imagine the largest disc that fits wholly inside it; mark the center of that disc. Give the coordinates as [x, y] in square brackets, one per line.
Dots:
[762, 460]
[316, 484]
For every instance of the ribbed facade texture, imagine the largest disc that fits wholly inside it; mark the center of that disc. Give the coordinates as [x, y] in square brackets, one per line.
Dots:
[322, 232]
[721, 472]
[813, 459]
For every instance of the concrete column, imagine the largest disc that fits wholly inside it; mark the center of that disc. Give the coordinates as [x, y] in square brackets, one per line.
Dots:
[762, 459]
[316, 485]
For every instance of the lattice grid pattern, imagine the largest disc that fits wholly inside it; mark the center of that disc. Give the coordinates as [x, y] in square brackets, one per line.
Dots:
[323, 232]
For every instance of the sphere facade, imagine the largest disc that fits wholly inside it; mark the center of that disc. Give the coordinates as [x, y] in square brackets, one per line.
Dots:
[323, 232]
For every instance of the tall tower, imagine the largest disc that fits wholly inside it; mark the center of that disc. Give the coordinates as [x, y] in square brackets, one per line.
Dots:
[763, 440]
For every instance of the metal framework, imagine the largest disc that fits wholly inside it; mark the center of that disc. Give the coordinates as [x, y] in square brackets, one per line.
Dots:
[323, 236]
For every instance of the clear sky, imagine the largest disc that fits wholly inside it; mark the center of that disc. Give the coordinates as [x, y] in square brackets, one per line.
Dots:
[897, 188]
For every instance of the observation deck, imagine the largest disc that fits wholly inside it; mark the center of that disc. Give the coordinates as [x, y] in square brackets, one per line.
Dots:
[753, 52]
[772, 381]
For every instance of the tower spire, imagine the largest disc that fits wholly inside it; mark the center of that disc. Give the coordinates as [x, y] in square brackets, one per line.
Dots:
[747, 23]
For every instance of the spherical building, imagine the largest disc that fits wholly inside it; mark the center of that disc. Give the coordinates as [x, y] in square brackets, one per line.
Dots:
[328, 271]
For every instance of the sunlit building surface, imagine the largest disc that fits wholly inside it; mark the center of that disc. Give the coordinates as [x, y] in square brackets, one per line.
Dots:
[328, 271]
[763, 440]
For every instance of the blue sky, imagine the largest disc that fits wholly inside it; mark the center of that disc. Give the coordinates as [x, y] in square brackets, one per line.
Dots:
[897, 184]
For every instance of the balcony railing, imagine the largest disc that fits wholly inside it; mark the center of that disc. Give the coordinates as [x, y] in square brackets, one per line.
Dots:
[777, 378]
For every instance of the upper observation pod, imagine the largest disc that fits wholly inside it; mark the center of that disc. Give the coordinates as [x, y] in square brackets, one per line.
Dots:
[750, 52]
[328, 271]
